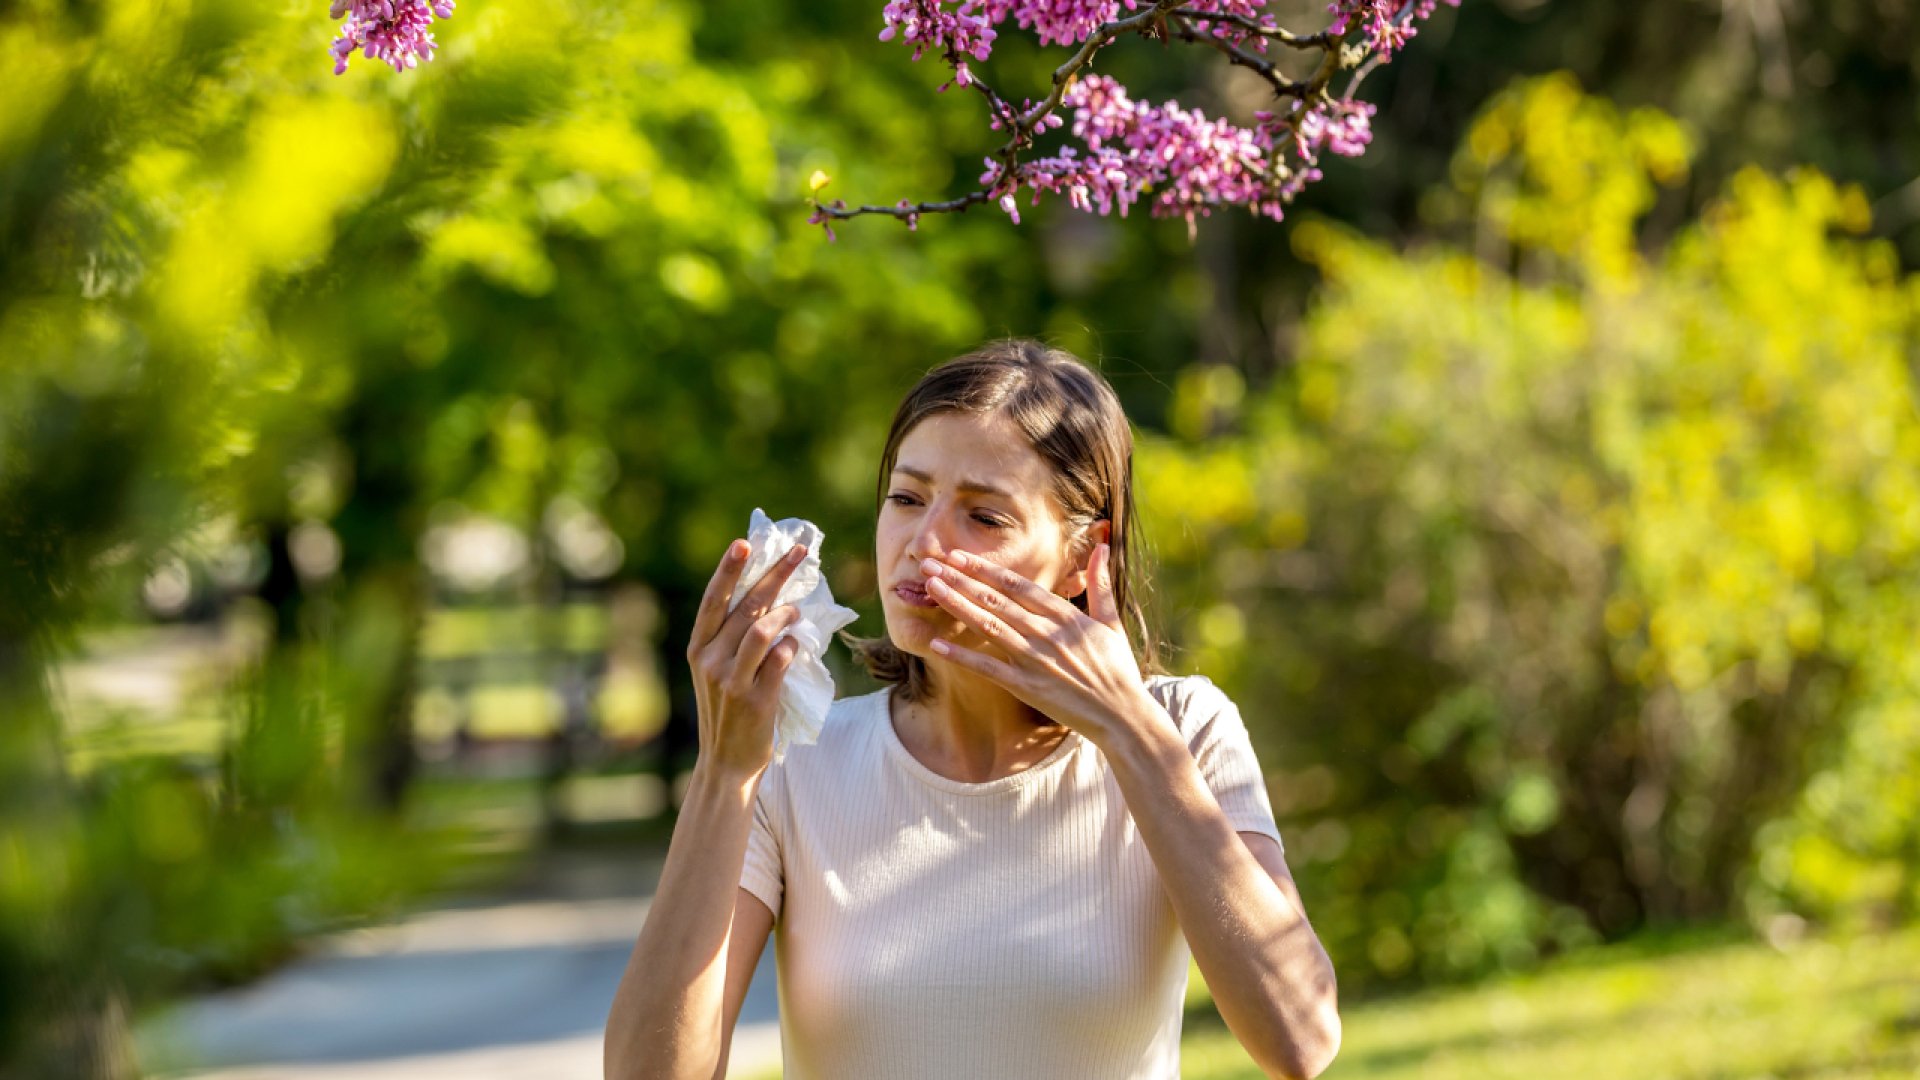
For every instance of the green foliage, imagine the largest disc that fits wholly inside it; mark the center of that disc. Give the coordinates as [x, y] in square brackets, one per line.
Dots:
[567, 261]
[199, 889]
[1560, 570]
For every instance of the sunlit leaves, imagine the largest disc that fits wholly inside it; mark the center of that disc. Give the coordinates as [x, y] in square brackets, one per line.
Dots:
[1550, 168]
[1605, 540]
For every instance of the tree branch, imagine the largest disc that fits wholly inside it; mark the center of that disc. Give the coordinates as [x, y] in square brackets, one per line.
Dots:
[1279, 179]
[1266, 69]
[1280, 34]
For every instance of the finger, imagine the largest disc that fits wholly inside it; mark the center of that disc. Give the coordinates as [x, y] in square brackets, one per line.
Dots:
[758, 599]
[1024, 591]
[757, 641]
[984, 623]
[713, 603]
[978, 662]
[987, 598]
[774, 668]
[1100, 599]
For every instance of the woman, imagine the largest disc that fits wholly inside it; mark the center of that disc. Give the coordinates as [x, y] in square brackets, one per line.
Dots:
[986, 869]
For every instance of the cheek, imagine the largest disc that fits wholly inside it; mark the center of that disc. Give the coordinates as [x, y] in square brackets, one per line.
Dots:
[1027, 558]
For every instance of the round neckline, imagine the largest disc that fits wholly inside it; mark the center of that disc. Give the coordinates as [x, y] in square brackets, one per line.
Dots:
[918, 770]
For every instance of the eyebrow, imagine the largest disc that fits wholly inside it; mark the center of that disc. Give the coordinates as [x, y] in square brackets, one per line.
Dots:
[979, 486]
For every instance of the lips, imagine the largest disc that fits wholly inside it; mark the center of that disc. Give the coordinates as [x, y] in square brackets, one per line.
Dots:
[913, 594]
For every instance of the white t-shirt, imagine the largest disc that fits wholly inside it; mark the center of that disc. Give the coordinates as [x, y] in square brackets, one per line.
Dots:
[930, 928]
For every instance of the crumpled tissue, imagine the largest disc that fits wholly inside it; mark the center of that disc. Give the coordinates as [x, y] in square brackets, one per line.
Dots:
[807, 693]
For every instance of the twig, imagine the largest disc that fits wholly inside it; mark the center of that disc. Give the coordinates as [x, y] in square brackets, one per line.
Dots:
[1266, 69]
[1279, 34]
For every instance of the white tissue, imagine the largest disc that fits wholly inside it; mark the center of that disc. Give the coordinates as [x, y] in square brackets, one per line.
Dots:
[807, 693]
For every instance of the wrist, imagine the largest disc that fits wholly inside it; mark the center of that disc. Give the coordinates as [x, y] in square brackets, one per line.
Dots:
[713, 780]
[1142, 736]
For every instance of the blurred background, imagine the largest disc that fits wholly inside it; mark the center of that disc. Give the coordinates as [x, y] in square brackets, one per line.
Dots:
[1546, 490]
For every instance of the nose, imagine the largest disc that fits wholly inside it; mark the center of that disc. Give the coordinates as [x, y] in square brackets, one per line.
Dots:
[930, 539]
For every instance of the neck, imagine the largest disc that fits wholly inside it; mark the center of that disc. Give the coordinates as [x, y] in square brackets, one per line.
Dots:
[970, 728]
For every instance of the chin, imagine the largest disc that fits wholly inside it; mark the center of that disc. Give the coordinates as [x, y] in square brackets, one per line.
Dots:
[914, 635]
[910, 636]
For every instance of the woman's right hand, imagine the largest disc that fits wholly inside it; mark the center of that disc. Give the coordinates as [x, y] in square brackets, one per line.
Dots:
[737, 670]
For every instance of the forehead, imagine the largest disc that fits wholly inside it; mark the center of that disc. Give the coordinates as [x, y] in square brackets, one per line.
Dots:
[954, 448]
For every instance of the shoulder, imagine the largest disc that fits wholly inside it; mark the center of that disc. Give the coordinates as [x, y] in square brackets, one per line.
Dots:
[1215, 733]
[1193, 701]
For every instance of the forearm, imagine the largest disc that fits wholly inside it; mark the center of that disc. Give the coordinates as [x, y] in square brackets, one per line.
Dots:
[666, 1018]
[1270, 978]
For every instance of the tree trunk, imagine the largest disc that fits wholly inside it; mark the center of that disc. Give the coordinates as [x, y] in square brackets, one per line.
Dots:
[381, 644]
[679, 741]
[80, 1032]
[67, 1016]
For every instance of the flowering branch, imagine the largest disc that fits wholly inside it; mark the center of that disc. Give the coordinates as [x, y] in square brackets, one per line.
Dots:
[1256, 28]
[1189, 164]
[395, 31]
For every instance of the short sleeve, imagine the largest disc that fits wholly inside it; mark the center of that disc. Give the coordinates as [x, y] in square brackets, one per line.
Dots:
[763, 874]
[1217, 737]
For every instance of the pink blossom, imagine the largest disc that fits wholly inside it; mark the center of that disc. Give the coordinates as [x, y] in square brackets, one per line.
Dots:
[1121, 151]
[1344, 127]
[966, 29]
[821, 218]
[1188, 162]
[1386, 24]
[1058, 22]
[395, 31]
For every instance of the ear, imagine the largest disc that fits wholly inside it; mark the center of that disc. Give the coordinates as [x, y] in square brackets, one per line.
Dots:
[1075, 583]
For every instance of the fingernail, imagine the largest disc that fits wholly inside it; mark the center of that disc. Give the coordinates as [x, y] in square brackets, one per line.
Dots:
[930, 568]
[736, 551]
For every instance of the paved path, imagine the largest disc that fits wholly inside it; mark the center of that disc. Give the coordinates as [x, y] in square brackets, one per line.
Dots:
[513, 986]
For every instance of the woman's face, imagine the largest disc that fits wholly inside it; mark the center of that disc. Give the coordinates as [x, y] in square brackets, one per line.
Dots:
[969, 483]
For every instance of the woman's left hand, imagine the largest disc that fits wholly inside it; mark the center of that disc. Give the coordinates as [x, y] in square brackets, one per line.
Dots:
[1076, 667]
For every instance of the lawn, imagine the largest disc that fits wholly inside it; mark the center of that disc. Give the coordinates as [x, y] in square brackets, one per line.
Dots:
[1668, 1008]
[1701, 1008]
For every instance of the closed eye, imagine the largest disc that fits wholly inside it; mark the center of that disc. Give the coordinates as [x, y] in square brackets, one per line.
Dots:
[899, 499]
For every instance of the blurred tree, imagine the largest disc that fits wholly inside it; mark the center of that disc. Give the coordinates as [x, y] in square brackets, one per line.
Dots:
[1833, 86]
[561, 264]
[1561, 570]
[107, 420]
[604, 294]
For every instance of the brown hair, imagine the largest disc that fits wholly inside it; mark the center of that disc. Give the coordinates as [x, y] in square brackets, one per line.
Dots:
[1073, 419]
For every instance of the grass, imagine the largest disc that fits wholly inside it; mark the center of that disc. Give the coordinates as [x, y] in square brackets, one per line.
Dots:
[1688, 1008]
[1657, 1008]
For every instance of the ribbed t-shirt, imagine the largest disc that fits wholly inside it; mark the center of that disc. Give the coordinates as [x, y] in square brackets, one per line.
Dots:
[931, 928]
